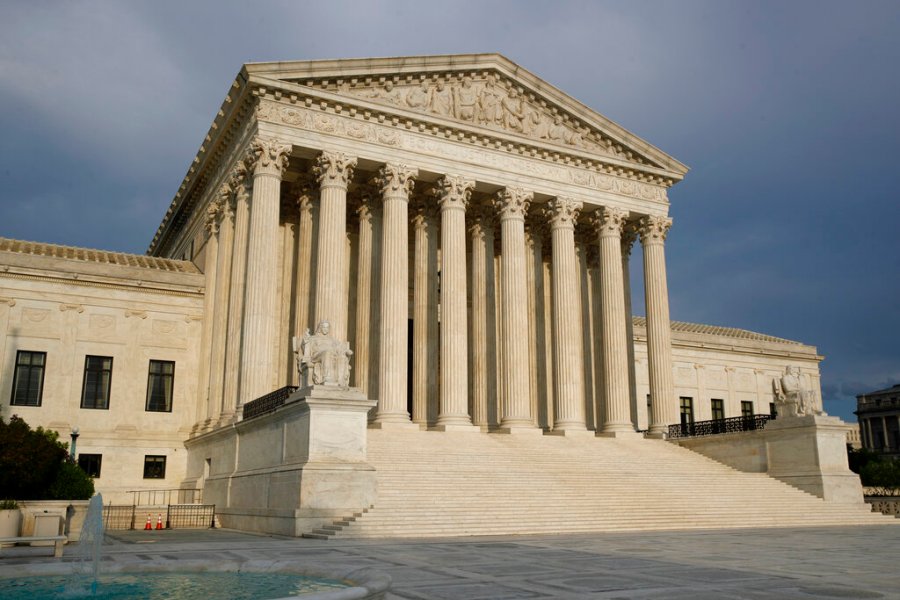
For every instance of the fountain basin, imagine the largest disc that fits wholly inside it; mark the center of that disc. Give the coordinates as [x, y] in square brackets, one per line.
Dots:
[137, 579]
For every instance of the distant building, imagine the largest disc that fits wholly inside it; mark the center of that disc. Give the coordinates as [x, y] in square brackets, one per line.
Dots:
[879, 420]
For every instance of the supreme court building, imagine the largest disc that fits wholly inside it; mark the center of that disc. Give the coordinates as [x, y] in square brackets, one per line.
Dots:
[464, 225]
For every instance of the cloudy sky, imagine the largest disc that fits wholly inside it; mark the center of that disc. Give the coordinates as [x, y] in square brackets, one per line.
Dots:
[786, 112]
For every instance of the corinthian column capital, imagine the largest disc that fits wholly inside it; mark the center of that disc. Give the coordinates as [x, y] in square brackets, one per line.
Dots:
[609, 221]
[563, 212]
[453, 192]
[268, 157]
[512, 203]
[334, 169]
[396, 179]
[213, 214]
[654, 229]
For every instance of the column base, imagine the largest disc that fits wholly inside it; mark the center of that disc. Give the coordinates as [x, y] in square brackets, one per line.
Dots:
[584, 433]
[519, 430]
[455, 427]
[395, 425]
[623, 434]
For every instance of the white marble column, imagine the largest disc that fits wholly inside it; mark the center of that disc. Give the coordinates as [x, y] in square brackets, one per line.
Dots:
[535, 229]
[629, 235]
[425, 313]
[617, 412]
[568, 357]
[512, 204]
[484, 345]
[453, 194]
[305, 193]
[239, 183]
[396, 182]
[219, 313]
[368, 264]
[333, 170]
[213, 216]
[653, 230]
[269, 159]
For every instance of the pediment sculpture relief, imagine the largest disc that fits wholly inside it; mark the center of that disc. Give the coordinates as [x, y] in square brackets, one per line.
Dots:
[489, 103]
[322, 359]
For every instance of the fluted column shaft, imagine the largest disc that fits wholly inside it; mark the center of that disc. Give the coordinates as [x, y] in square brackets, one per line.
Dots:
[568, 357]
[653, 232]
[617, 414]
[629, 235]
[261, 302]
[425, 315]
[484, 353]
[220, 312]
[236, 289]
[333, 171]
[209, 307]
[453, 195]
[512, 205]
[307, 209]
[396, 182]
[364, 275]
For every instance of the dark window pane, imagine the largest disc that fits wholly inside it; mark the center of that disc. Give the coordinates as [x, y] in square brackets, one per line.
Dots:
[28, 380]
[97, 380]
[90, 464]
[160, 383]
[154, 467]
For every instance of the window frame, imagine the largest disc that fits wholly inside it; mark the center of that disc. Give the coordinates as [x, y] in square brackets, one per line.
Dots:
[717, 405]
[149, 461]
[29, 367]
[84, 383]
[744, 412]
[165, 378]
[99, 459]
[686, 402]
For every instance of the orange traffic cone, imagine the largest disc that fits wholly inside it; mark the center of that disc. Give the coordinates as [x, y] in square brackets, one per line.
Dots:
[159, 521]
[148, 526]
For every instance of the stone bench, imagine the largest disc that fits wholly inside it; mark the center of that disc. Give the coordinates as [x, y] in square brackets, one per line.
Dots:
[58, 541]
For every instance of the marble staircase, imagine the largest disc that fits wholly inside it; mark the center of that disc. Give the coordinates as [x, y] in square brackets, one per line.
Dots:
[455, 484]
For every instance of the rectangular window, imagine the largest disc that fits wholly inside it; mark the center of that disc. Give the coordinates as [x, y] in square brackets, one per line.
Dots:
[28, 380]
[718, 409]
[687, 410]
[154, 467]
[97, 379]
[90, 464]
[747, 409]
[160, 382]
[772, 412]
[649, 410]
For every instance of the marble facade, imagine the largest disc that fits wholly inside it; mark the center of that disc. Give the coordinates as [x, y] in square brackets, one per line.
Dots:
[464, 225]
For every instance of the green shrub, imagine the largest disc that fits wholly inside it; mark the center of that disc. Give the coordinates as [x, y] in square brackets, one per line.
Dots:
[71, 483]
[8, 505]
[881, 473]
[29, 459]
[34, 465]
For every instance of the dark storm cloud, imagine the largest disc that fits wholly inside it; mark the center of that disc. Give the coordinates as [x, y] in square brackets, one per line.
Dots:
[785, 111]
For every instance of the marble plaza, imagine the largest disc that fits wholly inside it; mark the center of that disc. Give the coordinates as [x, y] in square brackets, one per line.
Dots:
[414, 263]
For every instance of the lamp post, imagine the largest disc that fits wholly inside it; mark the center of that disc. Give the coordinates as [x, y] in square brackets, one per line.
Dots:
[74, 436]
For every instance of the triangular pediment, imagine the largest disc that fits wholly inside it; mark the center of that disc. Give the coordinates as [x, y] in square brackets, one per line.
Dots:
[481, 91]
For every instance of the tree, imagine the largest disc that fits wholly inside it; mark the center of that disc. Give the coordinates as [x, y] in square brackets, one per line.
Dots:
[34, 465]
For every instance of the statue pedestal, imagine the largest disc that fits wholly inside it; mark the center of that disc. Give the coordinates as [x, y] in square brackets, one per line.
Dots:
[287, 472]
[810, 452]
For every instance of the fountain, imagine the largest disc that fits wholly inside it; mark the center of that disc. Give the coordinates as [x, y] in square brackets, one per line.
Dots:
[247, 580]
[89, 547]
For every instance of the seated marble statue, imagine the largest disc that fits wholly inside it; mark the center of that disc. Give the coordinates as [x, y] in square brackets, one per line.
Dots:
[792, 398]
[322, 359]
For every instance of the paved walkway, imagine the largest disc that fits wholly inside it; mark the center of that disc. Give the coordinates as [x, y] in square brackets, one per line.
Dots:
[759, 563]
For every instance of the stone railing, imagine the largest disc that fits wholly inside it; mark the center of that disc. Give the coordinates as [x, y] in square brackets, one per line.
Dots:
[716, 426]
[268, 403]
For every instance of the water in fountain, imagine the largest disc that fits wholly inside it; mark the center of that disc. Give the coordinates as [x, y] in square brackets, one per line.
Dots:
[89, 546]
